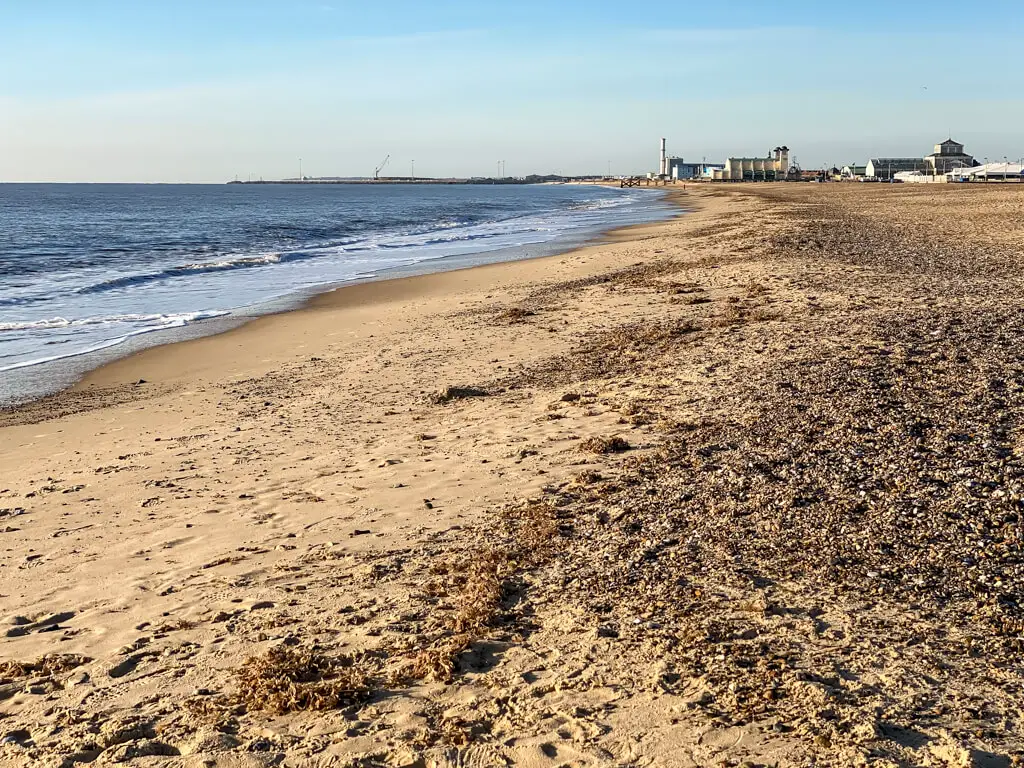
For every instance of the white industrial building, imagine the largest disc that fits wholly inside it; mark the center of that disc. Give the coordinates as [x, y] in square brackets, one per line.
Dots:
[775, 167]
[680, 170]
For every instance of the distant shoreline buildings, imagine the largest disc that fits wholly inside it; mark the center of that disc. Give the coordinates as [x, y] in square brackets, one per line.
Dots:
[947, 157]
[677, 169]
[775, 166]
[948, 163]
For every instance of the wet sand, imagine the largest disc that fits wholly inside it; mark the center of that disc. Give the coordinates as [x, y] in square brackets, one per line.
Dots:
[738, 488]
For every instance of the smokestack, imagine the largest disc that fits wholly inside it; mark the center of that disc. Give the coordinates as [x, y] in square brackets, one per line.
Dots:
[663, 168]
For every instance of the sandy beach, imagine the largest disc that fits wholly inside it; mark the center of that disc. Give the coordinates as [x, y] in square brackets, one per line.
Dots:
[742, 488]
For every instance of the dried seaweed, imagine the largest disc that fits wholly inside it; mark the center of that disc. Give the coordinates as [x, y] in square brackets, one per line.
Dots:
[298, 679]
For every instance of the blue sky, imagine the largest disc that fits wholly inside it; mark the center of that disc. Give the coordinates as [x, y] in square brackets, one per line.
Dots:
[105, 90]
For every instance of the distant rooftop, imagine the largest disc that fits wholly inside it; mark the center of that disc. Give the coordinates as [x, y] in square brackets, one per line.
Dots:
[948, 148]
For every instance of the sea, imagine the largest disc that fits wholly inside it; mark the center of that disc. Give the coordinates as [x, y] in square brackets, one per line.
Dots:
[92, 272]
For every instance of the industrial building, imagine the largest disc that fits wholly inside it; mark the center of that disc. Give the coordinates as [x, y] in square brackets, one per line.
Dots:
[682, 170]
[775, 167]
[677, 168]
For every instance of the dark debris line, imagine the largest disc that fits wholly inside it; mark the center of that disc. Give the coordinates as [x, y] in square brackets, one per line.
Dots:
[877, 497]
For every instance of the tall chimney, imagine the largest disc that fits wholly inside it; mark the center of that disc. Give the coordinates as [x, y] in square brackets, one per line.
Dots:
[663, 167]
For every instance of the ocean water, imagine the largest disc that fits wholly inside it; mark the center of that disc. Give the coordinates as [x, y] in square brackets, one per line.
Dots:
[90, 272]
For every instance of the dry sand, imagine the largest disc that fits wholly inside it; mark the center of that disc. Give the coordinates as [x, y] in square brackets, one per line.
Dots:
[742, 488]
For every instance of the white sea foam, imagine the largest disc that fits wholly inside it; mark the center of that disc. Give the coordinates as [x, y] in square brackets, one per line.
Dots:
[246, 261]
[160, 321]
[153, 323]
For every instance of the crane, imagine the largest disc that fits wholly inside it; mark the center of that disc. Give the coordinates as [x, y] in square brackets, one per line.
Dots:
[379, 168]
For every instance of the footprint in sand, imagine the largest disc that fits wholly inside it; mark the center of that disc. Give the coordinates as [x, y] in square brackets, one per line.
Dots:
[129, 664]
[49, 624]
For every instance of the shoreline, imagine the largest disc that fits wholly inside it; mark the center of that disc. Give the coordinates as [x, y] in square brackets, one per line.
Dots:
[118, 369]
[73, 372]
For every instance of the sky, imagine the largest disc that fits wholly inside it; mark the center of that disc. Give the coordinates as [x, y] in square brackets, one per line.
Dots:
[211, 90]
